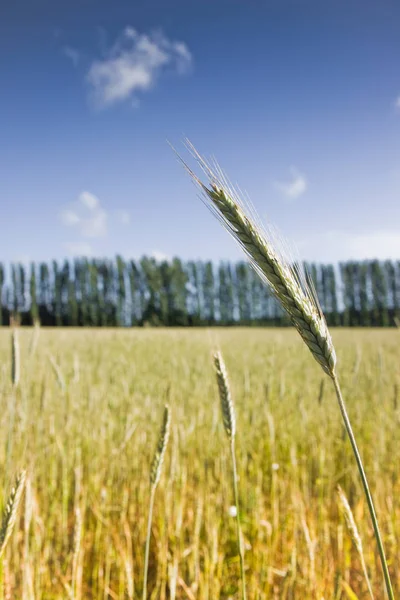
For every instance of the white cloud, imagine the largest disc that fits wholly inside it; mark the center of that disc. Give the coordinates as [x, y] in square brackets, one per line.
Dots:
[397, 103]
[72, 54]
[79, 249]
[133, 64]
[333, 246]
[159, 256]
[123, 217]
[295, 187]
[69, 217]
[89, 200]
[86, 216]
[95, 225]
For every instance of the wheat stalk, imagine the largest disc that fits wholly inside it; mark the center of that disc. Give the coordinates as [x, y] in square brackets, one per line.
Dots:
[295, 292]
[58, 373]
[76, 550]
[15, 377]
[229, 419]
[155, 474]
[11, 511]
[355, 536]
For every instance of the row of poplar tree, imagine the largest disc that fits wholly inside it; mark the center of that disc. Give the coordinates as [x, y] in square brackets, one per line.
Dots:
[148, 292]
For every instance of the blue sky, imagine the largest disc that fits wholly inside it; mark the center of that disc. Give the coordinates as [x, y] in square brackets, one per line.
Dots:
[298, 100]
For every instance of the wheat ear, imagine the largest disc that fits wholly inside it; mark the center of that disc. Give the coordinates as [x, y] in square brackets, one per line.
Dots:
[158, 459]
[155, 474]
[229, 419]
[228, 411]
[11, 511]
[294, 290]
[288, 282]
[354, 533]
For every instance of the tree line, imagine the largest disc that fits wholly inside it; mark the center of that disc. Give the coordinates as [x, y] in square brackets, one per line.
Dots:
[124, 293]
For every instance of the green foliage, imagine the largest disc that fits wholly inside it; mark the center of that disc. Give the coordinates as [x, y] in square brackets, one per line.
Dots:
[123, 293]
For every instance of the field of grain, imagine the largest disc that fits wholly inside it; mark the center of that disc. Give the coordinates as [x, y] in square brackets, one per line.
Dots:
[84, 421]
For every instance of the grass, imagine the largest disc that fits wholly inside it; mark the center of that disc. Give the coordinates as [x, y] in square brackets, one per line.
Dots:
[88, 448]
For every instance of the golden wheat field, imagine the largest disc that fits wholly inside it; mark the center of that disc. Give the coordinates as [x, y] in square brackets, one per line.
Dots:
[84, 422]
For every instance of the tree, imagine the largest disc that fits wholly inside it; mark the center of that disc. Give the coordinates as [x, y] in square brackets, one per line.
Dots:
[365, 317]
[1, 293]
[390, 271]
[225, 294]
[110, 293]
[209, 293]
[80, 269]
[14, 278]
[93, 296]
[165, 294]
[193, 293]
[178, 293]
[57, 294]
[33, 292]
[45, 314]
[71, 302]
[348, 296]
[137, 293]
[354, 274]
[153, 285]
[243, 292]
[107, 308]
[397, 276]
[379, 294]
[22, 291]
[121, 292]
[332, 291]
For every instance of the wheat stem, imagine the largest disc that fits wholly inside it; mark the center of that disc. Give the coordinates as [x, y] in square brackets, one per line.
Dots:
[229, 420]
[238, 527]
[15, 378]
[155, 474]
[147, 549]
[367, 492]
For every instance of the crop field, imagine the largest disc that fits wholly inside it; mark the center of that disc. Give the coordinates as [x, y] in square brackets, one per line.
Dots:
[84, 422]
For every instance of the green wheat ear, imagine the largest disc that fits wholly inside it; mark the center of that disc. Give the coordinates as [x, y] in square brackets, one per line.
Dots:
[286, 279]
[157, 463]
[228, 411]
[11, 511]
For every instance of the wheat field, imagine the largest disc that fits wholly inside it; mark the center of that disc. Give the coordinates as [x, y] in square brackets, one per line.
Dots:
[84, 421]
